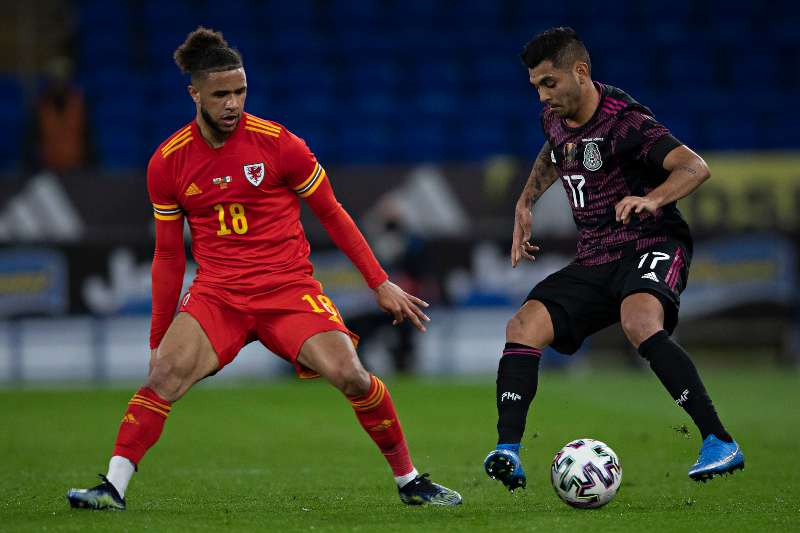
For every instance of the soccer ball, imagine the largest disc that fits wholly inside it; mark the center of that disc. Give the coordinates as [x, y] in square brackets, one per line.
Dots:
[586, 473]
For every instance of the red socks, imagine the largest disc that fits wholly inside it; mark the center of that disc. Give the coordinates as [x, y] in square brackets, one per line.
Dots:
[142, 424]
[375, 411]
[144, 420]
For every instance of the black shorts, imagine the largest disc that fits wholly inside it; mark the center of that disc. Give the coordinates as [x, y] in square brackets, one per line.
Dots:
[582, 300]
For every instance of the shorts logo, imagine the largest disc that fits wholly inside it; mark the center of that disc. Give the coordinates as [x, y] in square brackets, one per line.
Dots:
[591, 157]
[254, 173]
[186, 299]
[651, 276]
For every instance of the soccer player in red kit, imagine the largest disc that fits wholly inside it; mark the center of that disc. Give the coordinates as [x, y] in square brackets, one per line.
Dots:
[238, 179]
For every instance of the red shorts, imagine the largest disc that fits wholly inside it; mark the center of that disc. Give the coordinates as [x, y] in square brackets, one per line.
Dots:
[282, 319]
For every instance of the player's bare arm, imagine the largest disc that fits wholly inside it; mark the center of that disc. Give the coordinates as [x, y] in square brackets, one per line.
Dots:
[687, 172]
[542, 176]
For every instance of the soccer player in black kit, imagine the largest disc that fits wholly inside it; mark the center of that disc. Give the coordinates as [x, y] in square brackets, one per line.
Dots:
[622, 172]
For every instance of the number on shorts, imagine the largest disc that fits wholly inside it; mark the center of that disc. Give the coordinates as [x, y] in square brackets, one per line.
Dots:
[657, 256]
[326, 306]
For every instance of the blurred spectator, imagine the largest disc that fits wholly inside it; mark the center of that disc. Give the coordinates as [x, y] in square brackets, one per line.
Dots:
[402, 254]
[61, 131]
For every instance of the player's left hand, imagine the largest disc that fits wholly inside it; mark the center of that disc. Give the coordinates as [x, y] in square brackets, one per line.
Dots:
[634, 204]
[401, 305]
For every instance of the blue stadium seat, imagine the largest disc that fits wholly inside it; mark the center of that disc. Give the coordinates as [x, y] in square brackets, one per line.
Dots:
[777, 131]
[483, 136]
[372, 77]
[280, 14]
[437, 68]
[12, 122]
[687, 64]
[731, 131]
[363, 143]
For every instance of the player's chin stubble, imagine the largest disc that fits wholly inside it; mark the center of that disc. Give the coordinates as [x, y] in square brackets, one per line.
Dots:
[211, 122]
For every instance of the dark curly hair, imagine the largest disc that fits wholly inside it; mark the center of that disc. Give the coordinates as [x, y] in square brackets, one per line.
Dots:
[560, 45]
[206, 51]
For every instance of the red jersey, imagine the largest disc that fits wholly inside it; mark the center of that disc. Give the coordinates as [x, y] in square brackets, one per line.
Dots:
[241, 201]
[242, 204]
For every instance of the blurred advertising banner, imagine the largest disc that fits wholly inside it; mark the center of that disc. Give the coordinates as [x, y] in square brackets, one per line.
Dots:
[747, 191]
[733, 272]
[33, 281]
[470, 201]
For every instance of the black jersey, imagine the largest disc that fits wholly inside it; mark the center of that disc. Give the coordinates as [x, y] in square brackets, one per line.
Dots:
[619, 152]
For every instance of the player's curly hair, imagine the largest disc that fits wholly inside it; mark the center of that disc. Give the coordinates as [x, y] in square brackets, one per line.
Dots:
[560, 45]
[204, 51]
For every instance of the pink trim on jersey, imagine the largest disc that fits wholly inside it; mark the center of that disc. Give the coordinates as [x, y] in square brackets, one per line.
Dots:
[674, 271]
[615, 101]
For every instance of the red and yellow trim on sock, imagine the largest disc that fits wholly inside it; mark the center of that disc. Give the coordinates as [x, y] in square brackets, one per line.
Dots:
[371, 400]
[162, 409]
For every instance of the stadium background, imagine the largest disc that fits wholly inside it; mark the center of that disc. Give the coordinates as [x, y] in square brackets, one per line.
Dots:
[424, 119]
[423, 116]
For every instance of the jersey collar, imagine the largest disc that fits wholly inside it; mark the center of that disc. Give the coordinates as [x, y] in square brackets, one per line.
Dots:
[230, 140]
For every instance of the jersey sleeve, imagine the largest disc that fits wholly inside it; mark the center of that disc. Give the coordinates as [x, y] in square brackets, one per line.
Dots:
[645, 139]
[306, 177]
[299, 166]
[169, 259]
[162, 192]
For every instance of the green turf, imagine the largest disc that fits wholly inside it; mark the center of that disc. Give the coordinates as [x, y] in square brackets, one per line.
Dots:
[290, 456]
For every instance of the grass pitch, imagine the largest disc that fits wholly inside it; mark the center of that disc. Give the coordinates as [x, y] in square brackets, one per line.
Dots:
[289, 456]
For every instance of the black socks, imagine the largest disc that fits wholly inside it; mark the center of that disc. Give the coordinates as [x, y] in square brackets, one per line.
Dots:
[517, 378]
[676, 371]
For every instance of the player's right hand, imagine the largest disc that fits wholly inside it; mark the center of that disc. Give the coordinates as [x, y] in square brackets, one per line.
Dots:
[401, 305]
[521, 248]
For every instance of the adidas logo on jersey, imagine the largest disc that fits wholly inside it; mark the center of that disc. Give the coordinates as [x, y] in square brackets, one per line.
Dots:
[193, 189]
[651, 276]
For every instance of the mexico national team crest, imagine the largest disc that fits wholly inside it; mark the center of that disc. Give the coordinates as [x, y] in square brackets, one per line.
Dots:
[254, 173]
[591, 157]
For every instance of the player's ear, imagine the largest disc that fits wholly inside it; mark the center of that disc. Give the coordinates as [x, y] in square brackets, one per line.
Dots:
[581, 72]
[194, 93]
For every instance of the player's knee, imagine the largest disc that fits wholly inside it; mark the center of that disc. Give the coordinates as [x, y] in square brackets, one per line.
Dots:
[169, 377]
[515, 329]
[353, 380]
[638, 328]
[529, 326]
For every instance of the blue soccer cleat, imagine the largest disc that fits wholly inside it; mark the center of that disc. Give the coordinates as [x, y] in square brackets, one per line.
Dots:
[504, 465]
[717, 457]
[103, 496]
